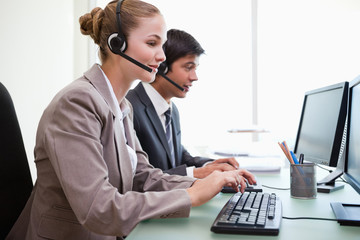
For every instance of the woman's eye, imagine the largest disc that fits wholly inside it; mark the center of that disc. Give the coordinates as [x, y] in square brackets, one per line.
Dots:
[152, 43]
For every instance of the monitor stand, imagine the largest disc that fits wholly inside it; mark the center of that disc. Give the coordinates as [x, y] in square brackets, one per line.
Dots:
[328, 184]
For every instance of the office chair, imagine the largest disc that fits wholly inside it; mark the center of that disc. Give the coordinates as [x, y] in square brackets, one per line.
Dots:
[15, 178]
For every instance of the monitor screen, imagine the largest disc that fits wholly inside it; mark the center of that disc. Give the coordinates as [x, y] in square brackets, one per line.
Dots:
[352, 159]
[322, 123]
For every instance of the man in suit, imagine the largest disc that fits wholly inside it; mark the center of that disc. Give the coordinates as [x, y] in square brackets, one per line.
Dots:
[151, 101]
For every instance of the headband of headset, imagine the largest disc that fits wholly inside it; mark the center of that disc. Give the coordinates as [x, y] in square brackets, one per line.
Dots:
[117, 41]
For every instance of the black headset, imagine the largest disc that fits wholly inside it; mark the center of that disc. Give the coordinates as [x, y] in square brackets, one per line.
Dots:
[163, 67]
[117, 41]
[117, 44]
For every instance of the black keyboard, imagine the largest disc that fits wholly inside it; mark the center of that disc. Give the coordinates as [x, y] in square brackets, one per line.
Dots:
[255, 213]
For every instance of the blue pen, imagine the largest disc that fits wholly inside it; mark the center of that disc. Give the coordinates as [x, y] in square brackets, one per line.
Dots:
[294, 157]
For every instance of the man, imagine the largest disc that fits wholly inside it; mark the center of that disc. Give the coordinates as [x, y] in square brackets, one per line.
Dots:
[160, 136]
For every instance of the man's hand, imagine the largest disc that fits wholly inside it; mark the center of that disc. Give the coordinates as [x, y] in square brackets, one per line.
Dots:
[222, 165]
[232, 161]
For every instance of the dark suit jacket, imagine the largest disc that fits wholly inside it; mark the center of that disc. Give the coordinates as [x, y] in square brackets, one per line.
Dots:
[152, 136]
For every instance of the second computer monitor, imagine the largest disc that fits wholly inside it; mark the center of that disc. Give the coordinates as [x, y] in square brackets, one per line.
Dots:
[349, 213]
[352, 163]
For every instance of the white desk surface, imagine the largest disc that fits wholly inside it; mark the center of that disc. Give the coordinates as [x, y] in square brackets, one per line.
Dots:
[197, 226]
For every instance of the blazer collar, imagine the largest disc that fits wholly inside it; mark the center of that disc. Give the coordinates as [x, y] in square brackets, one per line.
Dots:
[96, 78]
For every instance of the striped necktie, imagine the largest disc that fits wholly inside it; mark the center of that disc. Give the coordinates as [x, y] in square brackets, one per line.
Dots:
[169, 135]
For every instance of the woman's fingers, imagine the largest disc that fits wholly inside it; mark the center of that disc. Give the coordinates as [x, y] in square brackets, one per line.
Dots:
[248, 175]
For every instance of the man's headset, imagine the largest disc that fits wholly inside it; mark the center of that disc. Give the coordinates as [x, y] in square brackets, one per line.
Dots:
[117, 44]
[163, 70]
[163, 67]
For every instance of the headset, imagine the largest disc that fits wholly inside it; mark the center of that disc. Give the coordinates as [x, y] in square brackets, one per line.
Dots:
[117, 44]
[117, 41]
[163, 69]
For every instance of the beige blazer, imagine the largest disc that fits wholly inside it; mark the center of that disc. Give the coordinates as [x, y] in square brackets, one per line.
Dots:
[85, 186]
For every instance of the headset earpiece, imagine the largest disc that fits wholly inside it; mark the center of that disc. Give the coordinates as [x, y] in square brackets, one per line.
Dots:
[116, 43]
[163, 68]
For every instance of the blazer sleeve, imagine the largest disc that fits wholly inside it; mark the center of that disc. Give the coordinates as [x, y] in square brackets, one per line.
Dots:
[179, 170]
[72, 142]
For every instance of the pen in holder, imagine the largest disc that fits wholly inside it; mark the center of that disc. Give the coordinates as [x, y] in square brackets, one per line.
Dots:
[303, 181]
[302, 176]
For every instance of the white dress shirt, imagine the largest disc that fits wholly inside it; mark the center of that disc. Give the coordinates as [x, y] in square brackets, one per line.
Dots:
[120, 115]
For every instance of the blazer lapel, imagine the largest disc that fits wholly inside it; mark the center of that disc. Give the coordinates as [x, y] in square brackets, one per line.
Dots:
[158, 129]
[95, 76]
[123, 158]
[154, 119]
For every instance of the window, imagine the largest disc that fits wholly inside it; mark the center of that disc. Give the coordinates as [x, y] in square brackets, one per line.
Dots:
[301, 45]
[221, 98]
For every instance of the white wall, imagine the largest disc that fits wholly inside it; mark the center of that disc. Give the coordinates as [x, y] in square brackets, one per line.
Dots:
[37, 57]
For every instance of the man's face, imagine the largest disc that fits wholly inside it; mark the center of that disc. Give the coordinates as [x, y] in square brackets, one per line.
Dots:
[183, 72]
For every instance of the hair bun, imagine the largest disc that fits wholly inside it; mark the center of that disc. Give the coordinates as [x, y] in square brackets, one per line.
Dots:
[90, 23]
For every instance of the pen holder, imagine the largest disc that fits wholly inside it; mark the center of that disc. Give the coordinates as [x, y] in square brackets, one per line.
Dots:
[303, 181]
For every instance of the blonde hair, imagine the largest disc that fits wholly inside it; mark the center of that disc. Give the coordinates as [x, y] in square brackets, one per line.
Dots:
[101, 23]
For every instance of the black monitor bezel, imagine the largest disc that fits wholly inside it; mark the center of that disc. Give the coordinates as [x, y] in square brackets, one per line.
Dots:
[334, 156]
[349, 178]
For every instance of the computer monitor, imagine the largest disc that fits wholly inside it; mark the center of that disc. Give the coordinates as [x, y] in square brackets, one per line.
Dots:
[320, 135]
[347, 213]
[352, 158]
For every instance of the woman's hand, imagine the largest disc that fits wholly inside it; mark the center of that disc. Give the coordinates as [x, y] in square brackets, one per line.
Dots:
[204, 189]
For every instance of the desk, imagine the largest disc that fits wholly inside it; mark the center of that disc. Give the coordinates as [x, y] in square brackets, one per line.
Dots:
[197, 226]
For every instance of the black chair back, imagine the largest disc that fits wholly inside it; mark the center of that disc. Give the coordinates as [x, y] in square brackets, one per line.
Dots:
[15, 177]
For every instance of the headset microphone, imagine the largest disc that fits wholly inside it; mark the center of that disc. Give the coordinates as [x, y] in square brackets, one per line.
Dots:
[171, 81]
[117, 41]
[163, 70]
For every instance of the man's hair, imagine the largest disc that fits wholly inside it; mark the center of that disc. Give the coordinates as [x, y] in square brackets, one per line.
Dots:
[180, 44]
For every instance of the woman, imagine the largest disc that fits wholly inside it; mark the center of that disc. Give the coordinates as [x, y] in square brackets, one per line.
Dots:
[94, 181]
